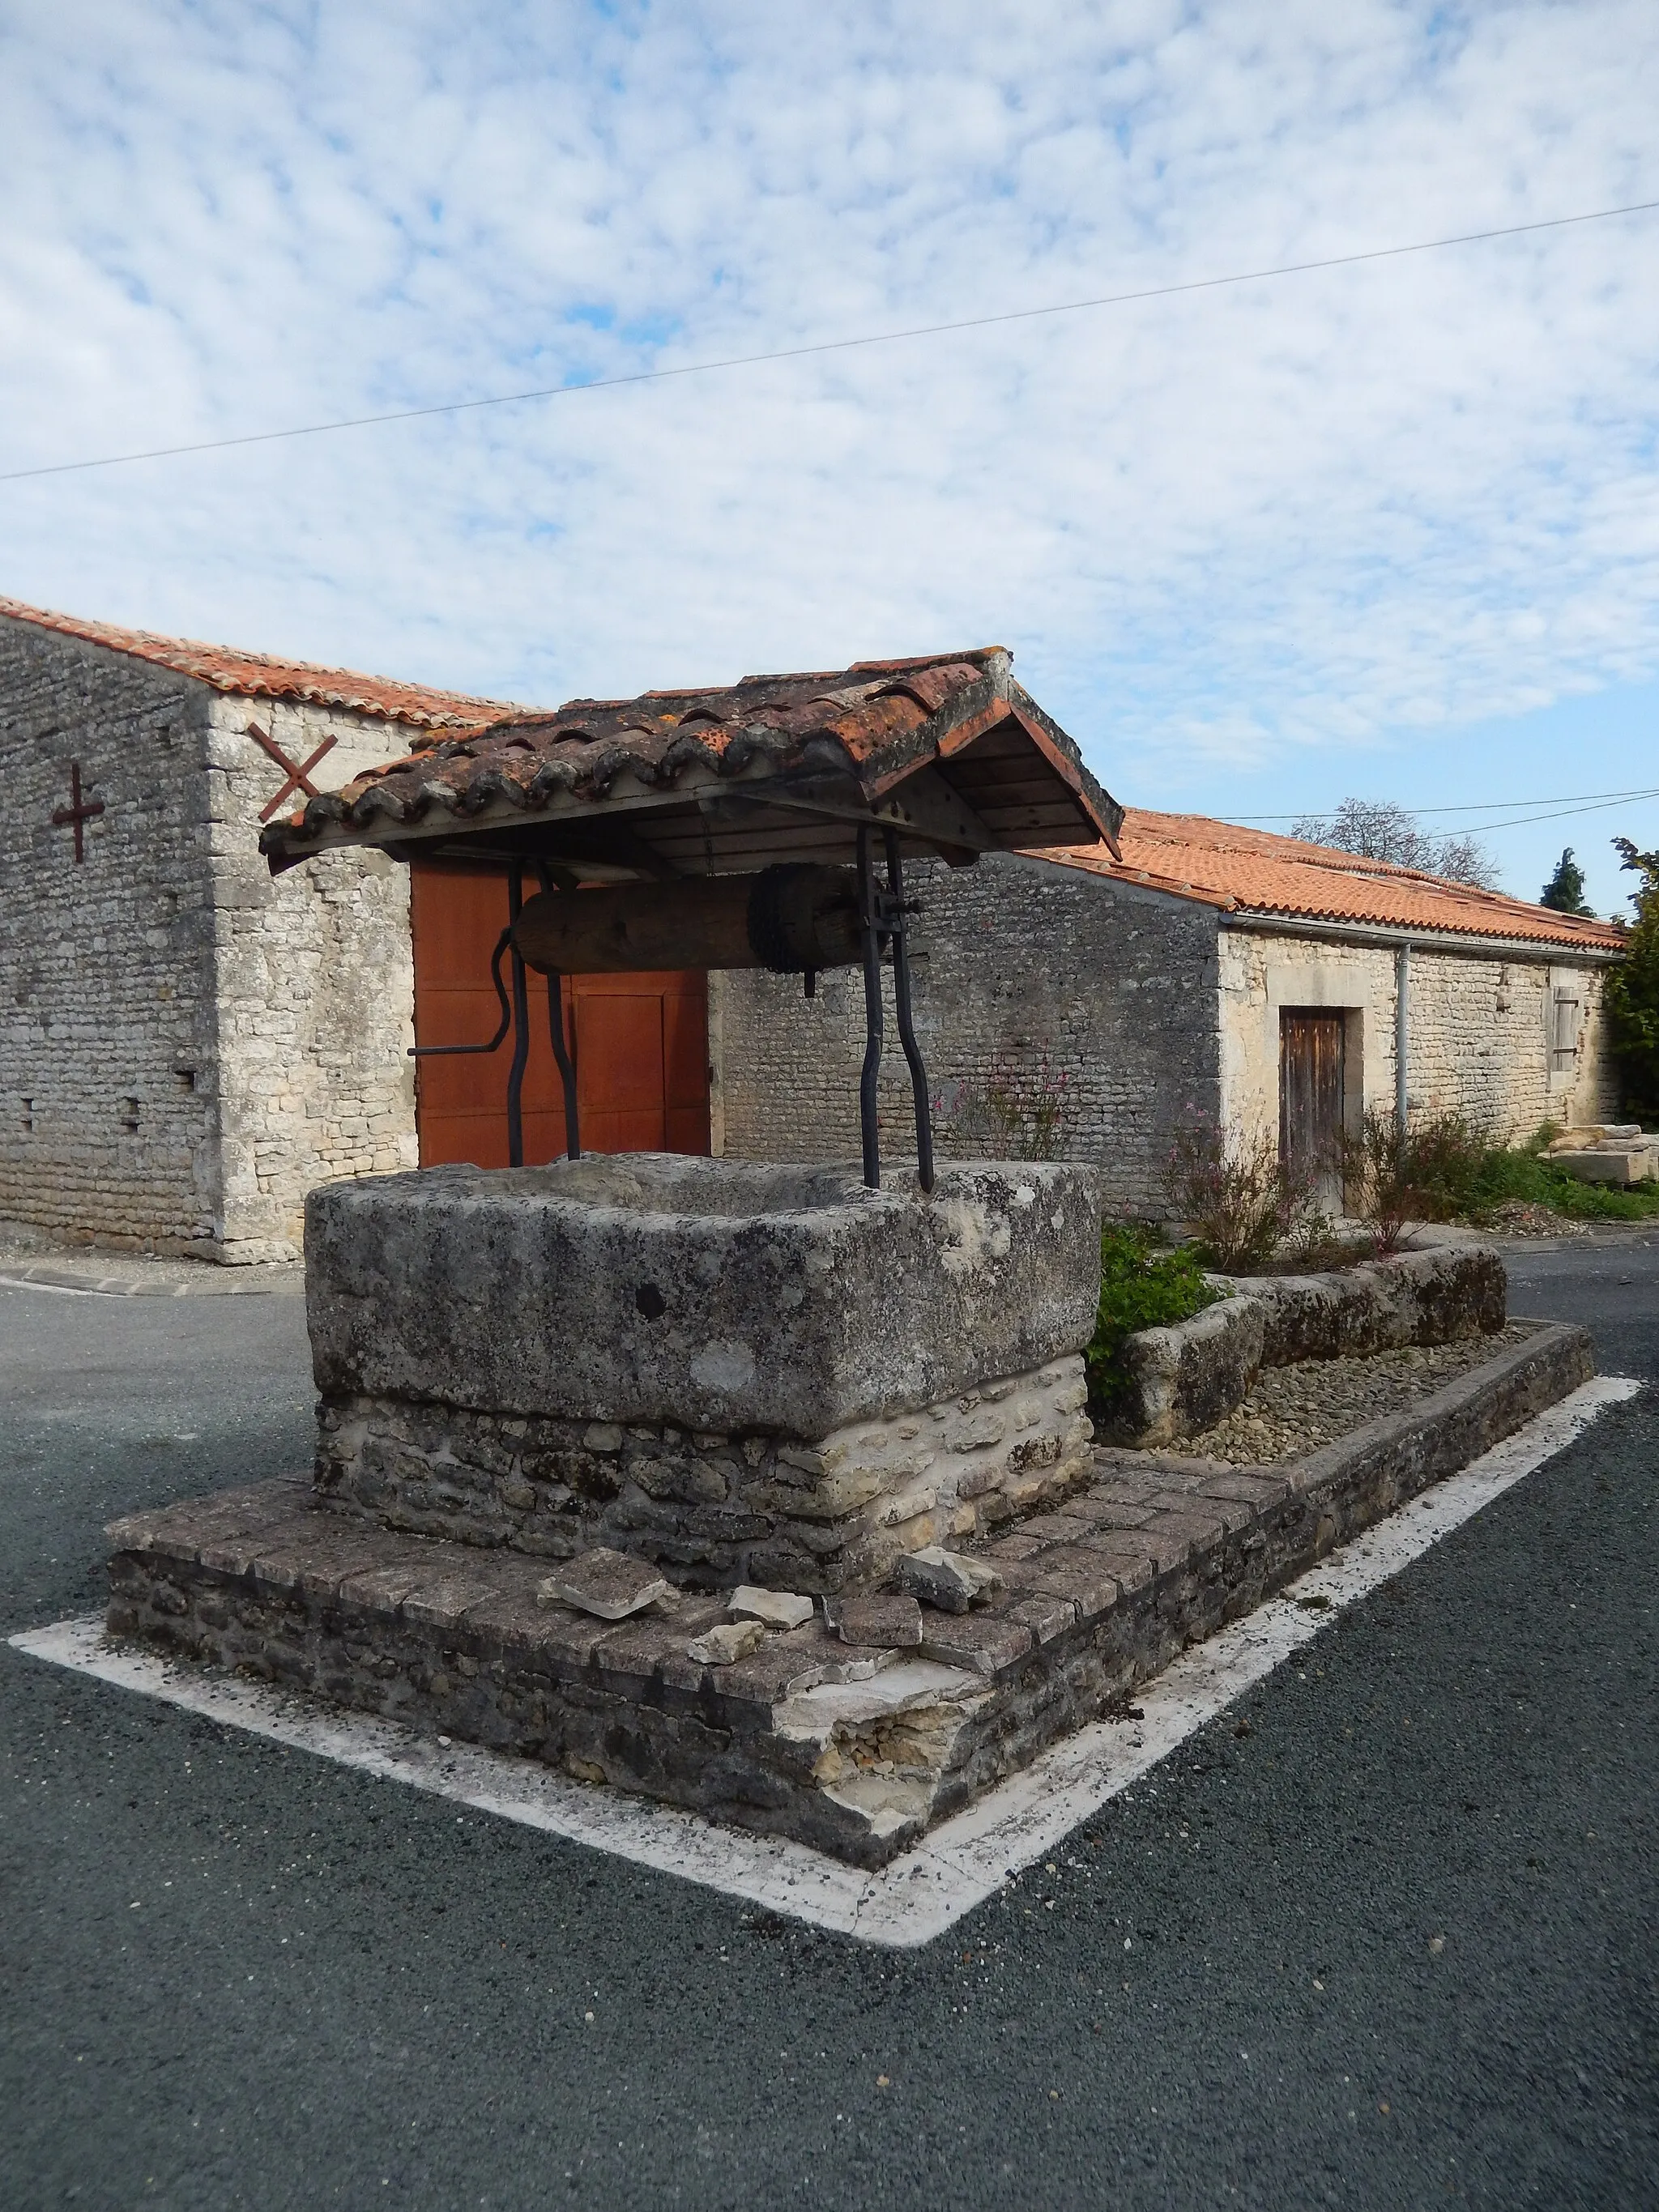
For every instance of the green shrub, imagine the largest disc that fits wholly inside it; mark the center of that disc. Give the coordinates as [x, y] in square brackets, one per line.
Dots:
[1507, 1172]
[1140, 1287]
[1633, 991]
[1458, 1176]
[1233, 1193]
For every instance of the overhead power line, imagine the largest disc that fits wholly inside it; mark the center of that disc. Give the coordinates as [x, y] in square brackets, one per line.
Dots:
[1561, 814]
[1471, 807]
[1477, 828]
[837, 346]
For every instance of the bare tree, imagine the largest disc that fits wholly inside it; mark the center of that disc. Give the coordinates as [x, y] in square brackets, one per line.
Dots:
[1380, 829]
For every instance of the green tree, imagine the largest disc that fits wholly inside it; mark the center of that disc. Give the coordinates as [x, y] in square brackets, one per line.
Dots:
[1633, 990]
[1564, 890]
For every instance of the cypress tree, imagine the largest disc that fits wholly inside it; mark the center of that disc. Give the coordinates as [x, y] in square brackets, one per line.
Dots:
[1564, 890]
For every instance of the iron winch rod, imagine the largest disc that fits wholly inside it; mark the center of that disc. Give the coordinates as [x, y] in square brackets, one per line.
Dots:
[515, 1016]
[563, 1053]
[520, 1025]
[884, 918]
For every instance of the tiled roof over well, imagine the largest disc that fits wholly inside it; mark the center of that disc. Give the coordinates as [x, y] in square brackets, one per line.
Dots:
[1255, 871]
[264, 676]
[866, 730]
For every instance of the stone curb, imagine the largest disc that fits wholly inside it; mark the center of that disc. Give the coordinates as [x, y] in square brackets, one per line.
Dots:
[856, 1752]
[216, 1282]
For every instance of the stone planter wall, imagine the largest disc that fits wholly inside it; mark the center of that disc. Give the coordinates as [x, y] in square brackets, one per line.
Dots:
[1188, 1376]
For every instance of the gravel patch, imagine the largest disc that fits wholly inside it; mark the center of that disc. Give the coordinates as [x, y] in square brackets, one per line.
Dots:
[1519, 1217]
[1293, 1410]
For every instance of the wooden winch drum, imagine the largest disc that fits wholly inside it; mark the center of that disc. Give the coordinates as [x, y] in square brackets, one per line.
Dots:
[792, 919]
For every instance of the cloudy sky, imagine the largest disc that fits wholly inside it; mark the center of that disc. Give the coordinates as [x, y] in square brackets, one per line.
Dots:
[1391, 529]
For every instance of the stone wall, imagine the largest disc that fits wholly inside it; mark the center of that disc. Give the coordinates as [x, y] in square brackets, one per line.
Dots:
[314, 984]
[1486, 1037]
[711, 1510]
[185, 1047]
[1062, 1012]
[106, 1034]
[1043, 994]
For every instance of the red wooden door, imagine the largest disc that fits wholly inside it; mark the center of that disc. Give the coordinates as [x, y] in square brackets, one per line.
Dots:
[642, 1042]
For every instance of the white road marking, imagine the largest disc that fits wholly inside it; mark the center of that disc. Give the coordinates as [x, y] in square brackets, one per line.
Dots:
[964, 1860]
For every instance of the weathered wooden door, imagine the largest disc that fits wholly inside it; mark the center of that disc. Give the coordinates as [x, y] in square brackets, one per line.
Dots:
[642, 1042]
[1311, 1082]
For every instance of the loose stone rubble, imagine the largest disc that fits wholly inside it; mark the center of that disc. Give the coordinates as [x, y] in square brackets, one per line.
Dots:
[855, 1748]
[871, 1621]
[604, 1582]
[1613, 1152]
[952, 1581]
[774, 1609]
[726, 1642]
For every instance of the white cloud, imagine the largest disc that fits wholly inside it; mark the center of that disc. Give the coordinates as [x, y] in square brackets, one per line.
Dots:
[1215, 528]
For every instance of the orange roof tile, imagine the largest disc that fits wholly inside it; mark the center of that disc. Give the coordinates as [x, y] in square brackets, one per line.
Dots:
[1255, 871]
[265, 676]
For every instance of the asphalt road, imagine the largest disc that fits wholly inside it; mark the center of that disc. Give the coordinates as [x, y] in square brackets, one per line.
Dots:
[1384, 1935]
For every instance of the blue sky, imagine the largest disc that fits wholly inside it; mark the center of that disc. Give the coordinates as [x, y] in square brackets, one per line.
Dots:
[1391, 530]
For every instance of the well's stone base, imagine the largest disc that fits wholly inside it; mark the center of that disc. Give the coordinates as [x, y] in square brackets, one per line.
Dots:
[854, 1751]
[714, 1511]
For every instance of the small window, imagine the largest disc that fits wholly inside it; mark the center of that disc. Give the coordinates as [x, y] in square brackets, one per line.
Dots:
[28, 1116]
[129, 1115]
[185, 1077]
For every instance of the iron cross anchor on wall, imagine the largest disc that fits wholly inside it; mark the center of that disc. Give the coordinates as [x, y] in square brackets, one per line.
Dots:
[297, 772]
[79, 810]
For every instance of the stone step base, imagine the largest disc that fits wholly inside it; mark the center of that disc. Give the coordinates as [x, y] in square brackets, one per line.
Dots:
[854, 1751]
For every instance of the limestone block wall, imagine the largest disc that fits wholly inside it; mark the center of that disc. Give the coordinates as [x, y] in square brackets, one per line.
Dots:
[313, 982]
[107, 1033]
[1507, 1043]
[1047, 999]
[185, 1047]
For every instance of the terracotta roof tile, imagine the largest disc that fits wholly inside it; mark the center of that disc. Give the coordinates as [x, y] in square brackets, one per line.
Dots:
[265, 676]
[1255, 871]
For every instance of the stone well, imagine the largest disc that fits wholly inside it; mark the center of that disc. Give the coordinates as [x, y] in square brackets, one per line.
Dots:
[744, 1373]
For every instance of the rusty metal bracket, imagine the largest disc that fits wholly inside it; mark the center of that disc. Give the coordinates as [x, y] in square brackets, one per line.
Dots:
[521, 1022]
[883, 913]
[869, 1078]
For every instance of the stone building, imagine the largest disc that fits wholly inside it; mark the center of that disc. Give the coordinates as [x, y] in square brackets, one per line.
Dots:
[1072, 1002]
[188, 1045]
